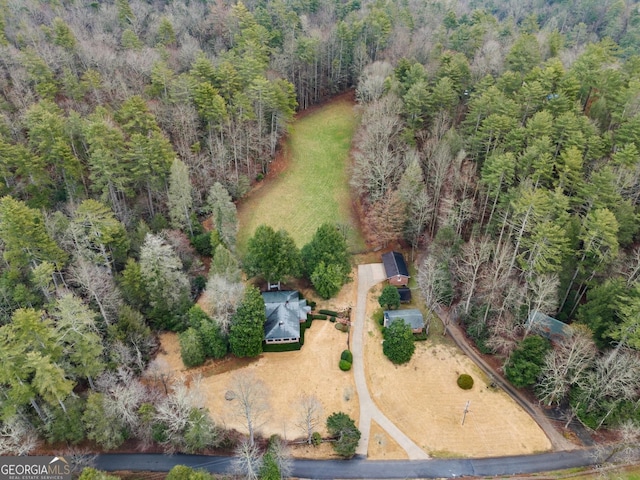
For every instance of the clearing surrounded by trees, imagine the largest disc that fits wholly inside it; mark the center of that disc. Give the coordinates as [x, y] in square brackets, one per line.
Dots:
[422, 397]
[315, 188]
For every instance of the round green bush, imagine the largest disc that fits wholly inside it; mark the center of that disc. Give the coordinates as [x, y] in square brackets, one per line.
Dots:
[342, 327]
[465, 381]
[347, 355]
[344, 365]
[316, 439]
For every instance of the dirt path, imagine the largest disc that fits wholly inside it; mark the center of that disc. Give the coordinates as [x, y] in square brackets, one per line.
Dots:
[558, 441]
[368, 276]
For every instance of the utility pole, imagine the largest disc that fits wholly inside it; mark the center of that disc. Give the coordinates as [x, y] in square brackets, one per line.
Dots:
[466, 409]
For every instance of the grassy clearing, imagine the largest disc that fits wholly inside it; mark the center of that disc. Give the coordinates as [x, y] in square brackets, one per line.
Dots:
[313, 188]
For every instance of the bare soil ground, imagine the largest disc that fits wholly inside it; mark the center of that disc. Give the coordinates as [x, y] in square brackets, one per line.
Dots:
[423, 399]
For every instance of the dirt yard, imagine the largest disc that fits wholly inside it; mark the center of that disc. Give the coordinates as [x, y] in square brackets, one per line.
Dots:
[421, 398]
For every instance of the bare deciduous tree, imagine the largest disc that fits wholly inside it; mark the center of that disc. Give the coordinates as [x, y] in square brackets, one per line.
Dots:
[222, 299]
[17, 437]
[123, 395]
[310, 415]
[371, 85]
[247, 461]
[282, 456]
[542, 293]
[566, 365]
[615, 378]
[250, 403]
[431, 279]
[378, 159]
[176, 413]
[97, 285]
[475, 254]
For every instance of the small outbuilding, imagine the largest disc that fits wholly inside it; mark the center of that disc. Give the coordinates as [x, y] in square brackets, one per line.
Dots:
[396, 269]
[547, 326]
[285, 312]
[412, 317]
[405, 294]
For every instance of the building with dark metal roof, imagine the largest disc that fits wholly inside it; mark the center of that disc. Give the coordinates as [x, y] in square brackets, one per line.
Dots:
[396, 269]
[405, 294]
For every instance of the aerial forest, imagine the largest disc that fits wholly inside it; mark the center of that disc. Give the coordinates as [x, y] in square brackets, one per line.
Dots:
[499, 143]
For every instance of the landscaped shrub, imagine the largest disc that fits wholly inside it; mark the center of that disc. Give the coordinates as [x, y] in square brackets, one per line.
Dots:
[329, 312]
[319, 317]
[344, 365]
[281, 347]
[342, 327]
[422, 336]
[332, 319]
[316, 439]
[347, 355]
[312, 304]
[465, 381]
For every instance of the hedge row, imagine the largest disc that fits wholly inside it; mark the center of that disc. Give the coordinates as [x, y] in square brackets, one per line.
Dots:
[281, 347]
[331, 313]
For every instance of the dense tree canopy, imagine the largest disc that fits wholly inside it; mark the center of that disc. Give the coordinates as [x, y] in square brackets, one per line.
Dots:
[272, 255]
[498, 140]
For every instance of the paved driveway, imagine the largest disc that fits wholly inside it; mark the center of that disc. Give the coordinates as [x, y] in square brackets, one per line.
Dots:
[368, 276]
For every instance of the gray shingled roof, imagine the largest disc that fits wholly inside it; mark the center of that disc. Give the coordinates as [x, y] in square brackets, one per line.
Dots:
[394, 264]
[284, 311]
[411, 316]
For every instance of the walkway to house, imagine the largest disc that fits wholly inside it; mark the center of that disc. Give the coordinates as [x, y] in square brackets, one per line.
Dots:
[369, 276]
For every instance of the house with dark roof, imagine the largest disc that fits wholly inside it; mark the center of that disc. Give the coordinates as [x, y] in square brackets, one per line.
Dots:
[396, 269]
[285, 312]
[411, 316]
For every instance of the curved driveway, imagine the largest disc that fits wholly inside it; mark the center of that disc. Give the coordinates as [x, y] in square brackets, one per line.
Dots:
[419, 466]
[368, 276]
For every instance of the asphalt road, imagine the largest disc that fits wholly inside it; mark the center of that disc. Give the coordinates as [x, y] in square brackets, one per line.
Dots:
[359, 468]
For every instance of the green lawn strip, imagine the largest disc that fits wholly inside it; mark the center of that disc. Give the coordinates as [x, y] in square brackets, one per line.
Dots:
[314, 188]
